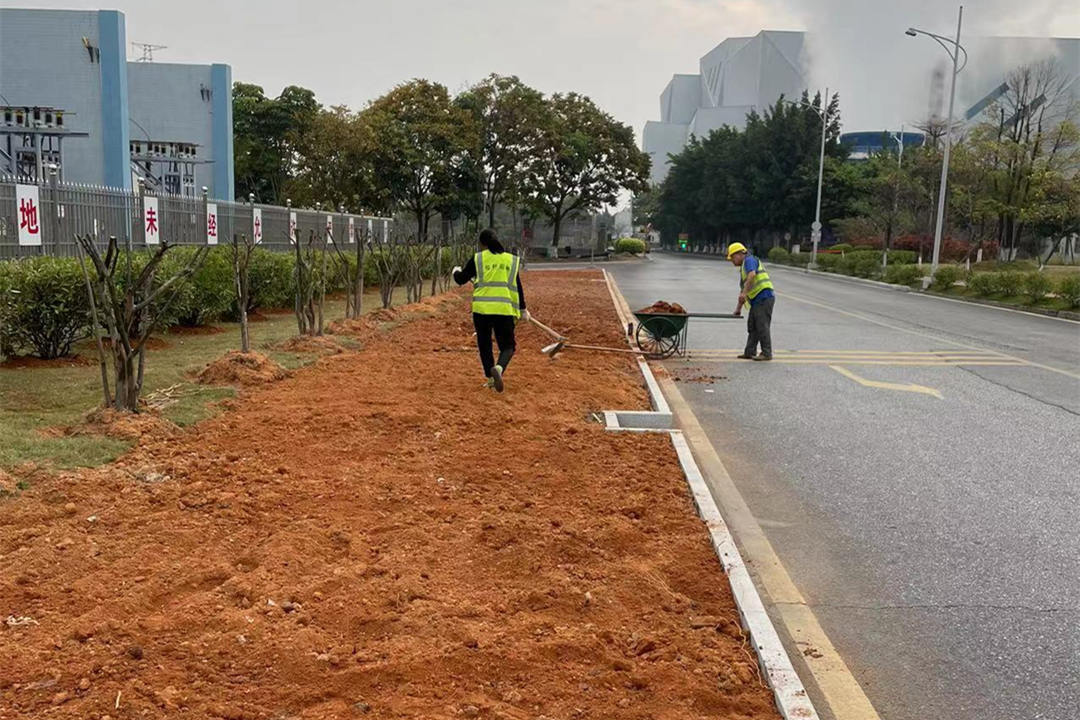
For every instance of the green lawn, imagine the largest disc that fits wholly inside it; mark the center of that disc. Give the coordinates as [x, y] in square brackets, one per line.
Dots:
[33, 398]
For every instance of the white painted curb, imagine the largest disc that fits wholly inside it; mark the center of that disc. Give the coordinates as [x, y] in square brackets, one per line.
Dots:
[788, 690]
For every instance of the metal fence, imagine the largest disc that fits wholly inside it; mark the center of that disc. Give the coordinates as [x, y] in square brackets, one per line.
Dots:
[57, 212]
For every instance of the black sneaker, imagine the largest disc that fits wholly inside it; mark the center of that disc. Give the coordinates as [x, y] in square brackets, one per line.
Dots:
[762, 358]
[496, 376]
[744, 356]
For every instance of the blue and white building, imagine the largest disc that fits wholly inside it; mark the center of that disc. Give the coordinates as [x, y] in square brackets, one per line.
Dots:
[69, 98]
[742, 74]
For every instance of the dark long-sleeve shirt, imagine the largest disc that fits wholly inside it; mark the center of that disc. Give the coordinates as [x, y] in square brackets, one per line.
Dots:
[467, 273]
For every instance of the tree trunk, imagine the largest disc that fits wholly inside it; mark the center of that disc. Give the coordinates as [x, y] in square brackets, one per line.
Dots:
[556, 227]
[358, 286]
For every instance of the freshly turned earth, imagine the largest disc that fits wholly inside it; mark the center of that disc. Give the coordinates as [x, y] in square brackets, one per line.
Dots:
[379, 536]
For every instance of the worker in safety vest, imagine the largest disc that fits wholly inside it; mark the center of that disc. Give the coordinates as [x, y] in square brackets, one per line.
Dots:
[755, 288]
[498, 303]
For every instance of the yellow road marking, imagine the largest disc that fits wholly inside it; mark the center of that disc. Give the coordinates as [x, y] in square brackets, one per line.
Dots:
[1051, 368]
[902, 387]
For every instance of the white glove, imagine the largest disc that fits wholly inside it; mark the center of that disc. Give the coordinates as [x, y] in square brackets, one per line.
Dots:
[457, 269]
[525, 315]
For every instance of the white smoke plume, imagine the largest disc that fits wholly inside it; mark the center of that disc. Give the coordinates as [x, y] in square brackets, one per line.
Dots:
[885, 78]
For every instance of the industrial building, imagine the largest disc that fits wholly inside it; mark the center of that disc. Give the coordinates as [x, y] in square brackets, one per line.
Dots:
[750, 73]
[70, 100]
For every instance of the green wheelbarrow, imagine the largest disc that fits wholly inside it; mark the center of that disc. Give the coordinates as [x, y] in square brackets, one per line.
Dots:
[663, 335]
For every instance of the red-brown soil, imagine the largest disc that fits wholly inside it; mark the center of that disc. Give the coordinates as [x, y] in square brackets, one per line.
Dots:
[320, 345]
[76, 360]
[242, 370]
[121, 425]
[662, 307]
[379, 536]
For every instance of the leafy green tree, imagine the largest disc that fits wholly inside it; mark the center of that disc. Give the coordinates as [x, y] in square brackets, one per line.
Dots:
[333, 164]
[421, 142]
[267, 133]
[506, 113]
[582, 159]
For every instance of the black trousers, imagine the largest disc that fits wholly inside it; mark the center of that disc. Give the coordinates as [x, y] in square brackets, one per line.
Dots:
[758, 327]
[503, 327]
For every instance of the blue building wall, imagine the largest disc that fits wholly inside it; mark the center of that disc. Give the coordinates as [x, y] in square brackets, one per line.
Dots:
[114, 98]
[170, 103]
[44, 62]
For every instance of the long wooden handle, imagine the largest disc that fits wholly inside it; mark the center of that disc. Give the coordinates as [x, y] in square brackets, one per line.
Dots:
[545, 328]
[597, 348]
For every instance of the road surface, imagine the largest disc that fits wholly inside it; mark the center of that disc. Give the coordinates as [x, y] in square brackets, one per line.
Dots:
[915, 463]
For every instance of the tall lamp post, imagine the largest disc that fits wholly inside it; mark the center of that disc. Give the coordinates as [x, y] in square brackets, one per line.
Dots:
[953, 48]
[823, 113]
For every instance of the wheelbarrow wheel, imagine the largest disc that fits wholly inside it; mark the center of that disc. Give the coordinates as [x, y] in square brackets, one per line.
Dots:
[657, 337]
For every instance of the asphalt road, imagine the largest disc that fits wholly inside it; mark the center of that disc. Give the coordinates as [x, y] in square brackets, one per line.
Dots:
[928, 510]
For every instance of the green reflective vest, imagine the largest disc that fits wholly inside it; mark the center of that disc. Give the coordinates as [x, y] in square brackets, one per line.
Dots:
[761, 280]
[495, 288]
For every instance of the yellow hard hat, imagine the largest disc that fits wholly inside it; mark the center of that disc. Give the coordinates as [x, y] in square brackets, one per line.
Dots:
[735, 248]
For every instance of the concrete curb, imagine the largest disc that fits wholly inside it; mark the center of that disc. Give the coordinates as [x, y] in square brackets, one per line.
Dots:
[788, 690]
[1058, 314]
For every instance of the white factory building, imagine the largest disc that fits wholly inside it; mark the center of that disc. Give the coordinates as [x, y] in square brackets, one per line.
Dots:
[737, 76]
[750, 73]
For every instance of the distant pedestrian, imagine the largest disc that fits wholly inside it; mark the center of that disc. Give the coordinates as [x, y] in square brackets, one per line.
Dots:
[498, 303]
[756, 288]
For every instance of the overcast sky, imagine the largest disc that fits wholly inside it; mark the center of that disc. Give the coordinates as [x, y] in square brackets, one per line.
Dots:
[619, 52]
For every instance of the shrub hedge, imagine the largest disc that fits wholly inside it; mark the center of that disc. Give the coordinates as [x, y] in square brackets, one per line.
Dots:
[630, 245]
[43, 307]
[1037, 286]
[983, 284]
[1068, 289]
[947, 276]
[779, 255]
[903, 274]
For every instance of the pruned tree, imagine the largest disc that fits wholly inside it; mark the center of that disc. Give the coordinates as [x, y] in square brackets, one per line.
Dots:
[308, 305]
[241, 248]
[129, 302]
[389, 264]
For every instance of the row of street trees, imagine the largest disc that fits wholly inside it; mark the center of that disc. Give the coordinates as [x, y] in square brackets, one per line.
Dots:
[1014, 183]
[420, 151]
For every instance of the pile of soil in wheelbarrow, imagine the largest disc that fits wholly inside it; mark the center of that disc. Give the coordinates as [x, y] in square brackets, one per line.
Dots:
[660, 307]
[381, 536]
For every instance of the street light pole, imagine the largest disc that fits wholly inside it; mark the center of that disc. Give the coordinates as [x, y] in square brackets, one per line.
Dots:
[943, 185]
[815, 229]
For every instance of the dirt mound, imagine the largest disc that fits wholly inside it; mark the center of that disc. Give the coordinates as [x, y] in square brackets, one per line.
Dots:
[664, 308]
[319, 345]
[242, 369]
[120, 425]
[7, 482]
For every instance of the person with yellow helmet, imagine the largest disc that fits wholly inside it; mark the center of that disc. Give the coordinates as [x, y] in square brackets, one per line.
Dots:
[755, 289]
[498, 303]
